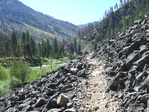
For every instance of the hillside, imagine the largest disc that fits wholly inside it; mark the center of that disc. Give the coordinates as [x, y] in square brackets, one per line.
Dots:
[16, 16]
[116, 19]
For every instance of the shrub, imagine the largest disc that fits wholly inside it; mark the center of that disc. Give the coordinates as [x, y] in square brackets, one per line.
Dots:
[3, 73]
[13, 82]
[4, 87]
[71, 57]
[20, 70]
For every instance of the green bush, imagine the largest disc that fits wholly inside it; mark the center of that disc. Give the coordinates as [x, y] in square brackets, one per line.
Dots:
[3, 73]
[71, 57]
[4, 87]
[20, 70]
[13, 82]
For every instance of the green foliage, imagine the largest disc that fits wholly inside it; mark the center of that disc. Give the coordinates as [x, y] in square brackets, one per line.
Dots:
[13, 82]
[3, 73]
[4, 87]
[19, 70]
[37, 72]
[14, 44]
[71, 57]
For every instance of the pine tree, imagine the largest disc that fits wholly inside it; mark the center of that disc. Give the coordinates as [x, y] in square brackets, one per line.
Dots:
[43, 48]
[79, 48]
[32, 47]
[49, 49]
[39, 50]
[75, 45]
[27, 47]
[14, 44]
[23, 44]
[55, 47]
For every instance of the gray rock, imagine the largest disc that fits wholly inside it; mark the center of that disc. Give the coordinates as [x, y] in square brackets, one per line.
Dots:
[131, 59]
[141, 62]
[54, 110]
[40, 102]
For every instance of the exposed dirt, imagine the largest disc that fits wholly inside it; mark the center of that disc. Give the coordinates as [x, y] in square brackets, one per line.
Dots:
[93, 97]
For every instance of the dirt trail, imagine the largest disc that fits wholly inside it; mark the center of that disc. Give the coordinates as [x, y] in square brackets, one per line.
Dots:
[93, 98]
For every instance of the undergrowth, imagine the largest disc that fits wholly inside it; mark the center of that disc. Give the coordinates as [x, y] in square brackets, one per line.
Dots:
[11, 77]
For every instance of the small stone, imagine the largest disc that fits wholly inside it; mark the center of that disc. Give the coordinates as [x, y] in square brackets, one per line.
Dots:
[54, 110]
[69, 105]
[62, 99]
[107, 105]
[22, 106]
[148, 104]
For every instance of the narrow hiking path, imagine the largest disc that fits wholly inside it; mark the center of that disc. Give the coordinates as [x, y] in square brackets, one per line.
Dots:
[93, 97]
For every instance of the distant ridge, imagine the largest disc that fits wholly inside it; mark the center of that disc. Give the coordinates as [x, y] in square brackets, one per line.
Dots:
[16, 16]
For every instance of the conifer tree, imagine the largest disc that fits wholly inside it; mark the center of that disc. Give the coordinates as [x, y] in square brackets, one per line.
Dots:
[55, 47]
[23, 44]
[14, 44]
[32, 47]
[75, 45]
[48, 48]
[27, 47]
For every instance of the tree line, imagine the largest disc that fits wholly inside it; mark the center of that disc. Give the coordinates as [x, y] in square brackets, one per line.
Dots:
[25, 46]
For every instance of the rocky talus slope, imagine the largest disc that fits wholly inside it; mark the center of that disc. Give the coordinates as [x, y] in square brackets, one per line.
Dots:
[126, 59]
[53, 92]
[115, 78]
[78, 86]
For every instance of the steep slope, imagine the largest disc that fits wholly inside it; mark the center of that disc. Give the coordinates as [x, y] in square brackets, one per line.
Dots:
[126, 59]
[16, 16]
[117, 20]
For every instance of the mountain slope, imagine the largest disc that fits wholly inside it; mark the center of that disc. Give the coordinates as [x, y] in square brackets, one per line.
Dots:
[116, 21]
[16, 16]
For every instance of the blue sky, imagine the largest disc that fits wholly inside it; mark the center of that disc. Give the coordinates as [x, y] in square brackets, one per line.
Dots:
[74, 11]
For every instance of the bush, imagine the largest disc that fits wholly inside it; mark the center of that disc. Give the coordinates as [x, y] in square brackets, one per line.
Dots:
[19, 70]
[3, 73]
[13, 82]
[4, 87]
[71, 57]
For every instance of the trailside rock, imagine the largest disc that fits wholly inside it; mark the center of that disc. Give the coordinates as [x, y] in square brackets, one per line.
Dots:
[62, 99]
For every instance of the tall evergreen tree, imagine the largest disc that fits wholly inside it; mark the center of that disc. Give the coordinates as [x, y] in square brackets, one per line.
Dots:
[23, 44]
[75, 45]
[32, 47]
[27, 47]
[14, 44]
[55, 47]
[48, 48]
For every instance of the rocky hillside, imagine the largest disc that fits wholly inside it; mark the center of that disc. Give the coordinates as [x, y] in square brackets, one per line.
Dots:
[75, 86]
[16, 16]
[126, 58]
[53, 92]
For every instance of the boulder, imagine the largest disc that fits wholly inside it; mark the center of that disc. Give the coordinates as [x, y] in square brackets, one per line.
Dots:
[130, 59]
[62, 99]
